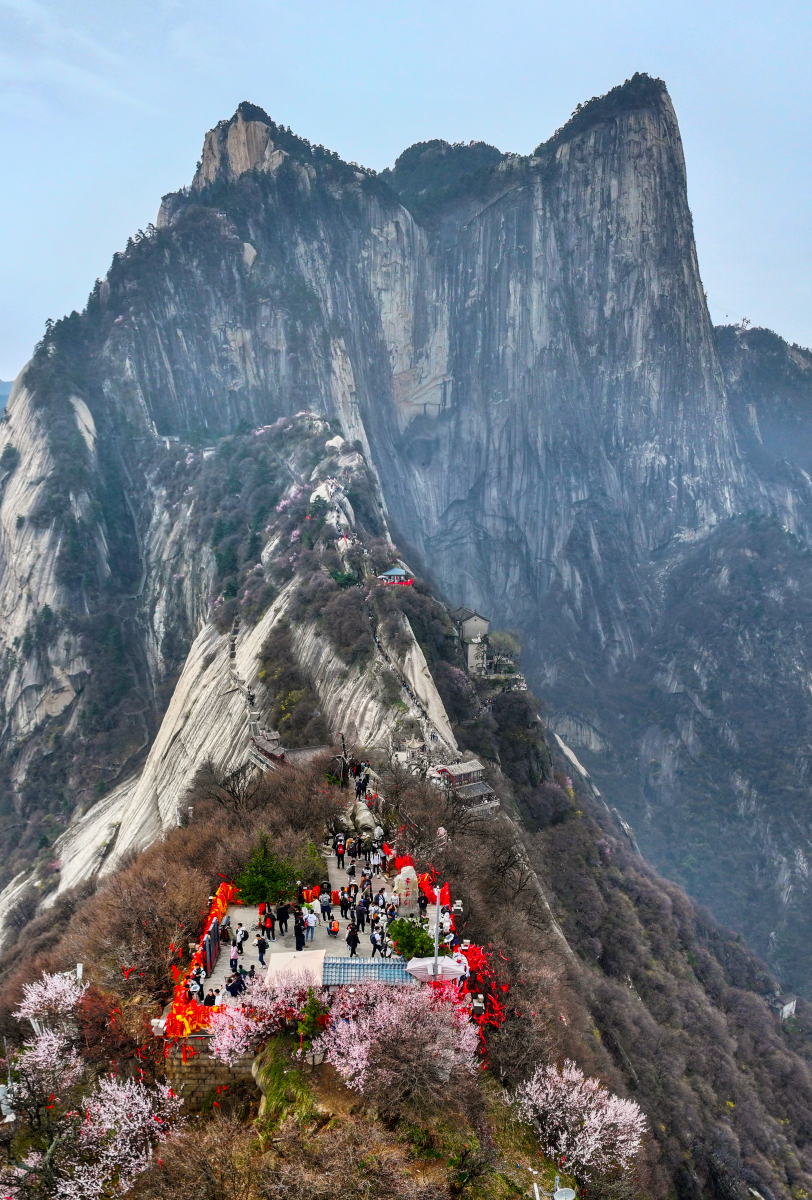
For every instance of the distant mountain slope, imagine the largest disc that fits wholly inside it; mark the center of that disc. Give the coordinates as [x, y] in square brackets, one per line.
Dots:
[5, 389]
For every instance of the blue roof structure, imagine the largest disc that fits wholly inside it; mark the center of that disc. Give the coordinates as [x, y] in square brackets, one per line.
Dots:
[339, 971]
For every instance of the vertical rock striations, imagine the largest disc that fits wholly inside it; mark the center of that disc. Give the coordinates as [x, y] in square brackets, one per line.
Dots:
[521, 347]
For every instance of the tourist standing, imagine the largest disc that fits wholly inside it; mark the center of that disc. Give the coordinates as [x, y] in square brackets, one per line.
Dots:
[352, 940]
[261, 946]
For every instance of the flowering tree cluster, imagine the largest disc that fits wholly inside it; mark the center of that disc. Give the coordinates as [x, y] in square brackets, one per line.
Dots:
[78, 1146]
[390, 1042]
[122, 1120]
[398, 1045]
[50, 996]
[267, 1009]
[579, 1121]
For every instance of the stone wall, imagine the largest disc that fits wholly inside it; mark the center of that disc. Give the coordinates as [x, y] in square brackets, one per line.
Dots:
[200, 1075]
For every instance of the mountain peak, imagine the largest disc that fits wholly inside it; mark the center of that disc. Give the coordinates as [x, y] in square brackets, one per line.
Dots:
[248, 141]
[641, 91]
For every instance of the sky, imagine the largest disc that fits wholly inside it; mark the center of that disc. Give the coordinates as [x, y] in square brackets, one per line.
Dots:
[103, 108]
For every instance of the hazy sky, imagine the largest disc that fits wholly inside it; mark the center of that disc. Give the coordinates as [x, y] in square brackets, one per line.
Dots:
[104, 107]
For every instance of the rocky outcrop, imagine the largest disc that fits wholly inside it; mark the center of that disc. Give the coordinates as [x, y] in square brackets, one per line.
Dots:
[532, 378]
[208, 719]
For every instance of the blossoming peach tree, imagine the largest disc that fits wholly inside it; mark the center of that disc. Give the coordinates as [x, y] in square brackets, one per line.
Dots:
[79, 1144]
[390, 1042]
[399, 1045]
[267, 1009]
[580, 1123]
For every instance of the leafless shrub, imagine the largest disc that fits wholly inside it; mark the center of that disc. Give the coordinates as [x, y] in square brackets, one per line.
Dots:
[358, 1160]
[209, 1160]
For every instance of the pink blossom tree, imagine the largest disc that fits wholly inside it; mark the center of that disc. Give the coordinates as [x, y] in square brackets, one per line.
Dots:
[50, 996]
[92, 1151]
[48, 1064]
[122, 1121]
[267, 1009]
[77, 1147]
[397, 1045]
[579, 1121]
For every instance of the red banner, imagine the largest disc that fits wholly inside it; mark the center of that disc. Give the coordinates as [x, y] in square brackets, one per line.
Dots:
[186, 1016]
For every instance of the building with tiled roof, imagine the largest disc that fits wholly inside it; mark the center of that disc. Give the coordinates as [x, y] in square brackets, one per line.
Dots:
[337, 972]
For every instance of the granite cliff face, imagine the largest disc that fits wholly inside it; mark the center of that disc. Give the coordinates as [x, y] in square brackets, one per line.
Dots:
[520, 348]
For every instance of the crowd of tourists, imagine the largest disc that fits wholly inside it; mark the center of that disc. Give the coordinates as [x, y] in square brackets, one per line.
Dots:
[364, 903]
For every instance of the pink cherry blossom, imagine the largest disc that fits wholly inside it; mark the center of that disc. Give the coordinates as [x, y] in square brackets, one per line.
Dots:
[50, 995]
[49, 1064]
[123, 1121]
[266, 1010]
[578, 1119]
[366, 1026]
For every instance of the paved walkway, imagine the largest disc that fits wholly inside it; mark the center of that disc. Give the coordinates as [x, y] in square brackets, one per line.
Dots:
[249, 916]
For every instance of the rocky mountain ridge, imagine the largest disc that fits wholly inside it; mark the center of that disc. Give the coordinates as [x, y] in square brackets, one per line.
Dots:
[552, 430]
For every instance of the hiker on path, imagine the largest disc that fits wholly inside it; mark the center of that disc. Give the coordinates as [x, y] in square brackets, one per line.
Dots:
[282, 914]
[261, 946]
[361, 915]
[352, 940]
[343, 902]
[376, 937]
[268, 924]
[299, 892]
[299, 931]
[311, 920]
[326, 904]
[240, 936]
[340, 853]
[233, 957]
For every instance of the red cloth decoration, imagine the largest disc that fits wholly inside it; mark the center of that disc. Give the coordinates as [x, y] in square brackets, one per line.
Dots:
[186, 1016]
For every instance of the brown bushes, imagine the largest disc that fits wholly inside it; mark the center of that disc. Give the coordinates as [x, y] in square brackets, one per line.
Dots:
[139, 919]
[214, 1160]
[355, 1160]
